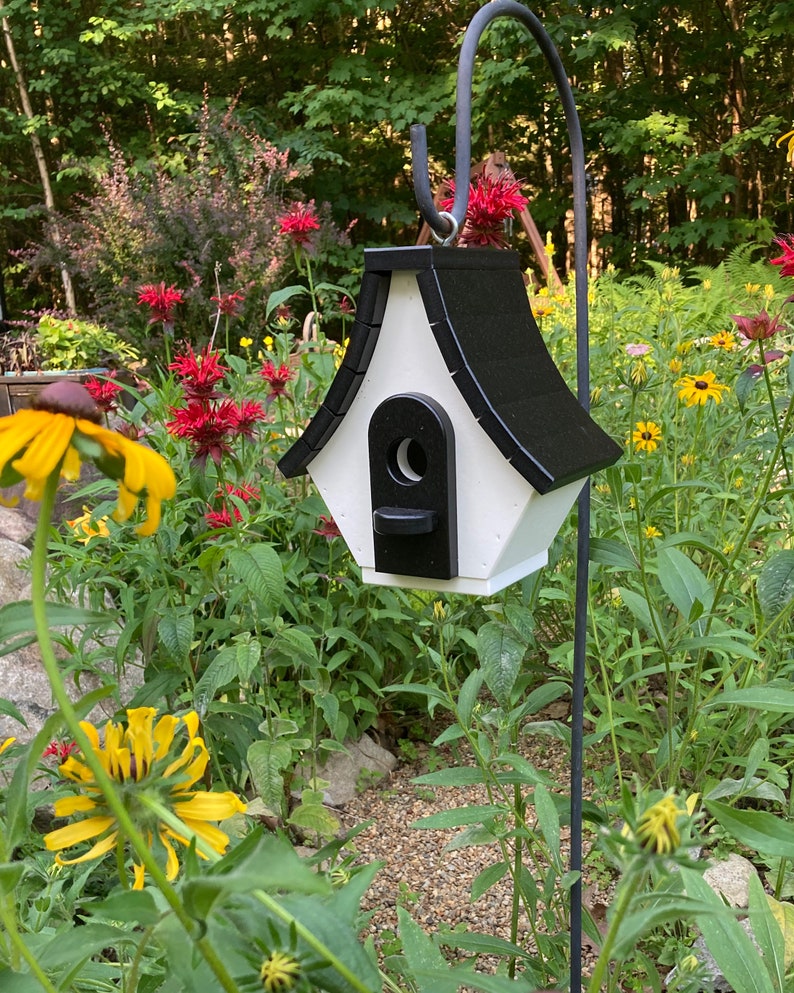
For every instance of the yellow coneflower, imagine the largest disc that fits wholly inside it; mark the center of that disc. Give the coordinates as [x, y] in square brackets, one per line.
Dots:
[85, 527]
[63, 430]
[652, 532]
[700, 389]
[646, 436]
[723, 339]
[156, 783]
[658, 827]
[279, 972]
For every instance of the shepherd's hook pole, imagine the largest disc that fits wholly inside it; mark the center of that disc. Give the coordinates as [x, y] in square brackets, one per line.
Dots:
[445, 225]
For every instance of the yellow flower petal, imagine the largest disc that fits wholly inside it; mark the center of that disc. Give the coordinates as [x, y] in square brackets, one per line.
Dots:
[101, 848]
[73, 834]
[69, 805]
[171, 862]
[210, 806]
[47, 449]
[139, 875]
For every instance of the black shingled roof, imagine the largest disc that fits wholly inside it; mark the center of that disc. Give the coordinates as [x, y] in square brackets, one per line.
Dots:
[479, 313]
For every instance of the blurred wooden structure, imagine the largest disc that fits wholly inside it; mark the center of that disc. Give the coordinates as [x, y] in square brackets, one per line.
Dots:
[497, 168]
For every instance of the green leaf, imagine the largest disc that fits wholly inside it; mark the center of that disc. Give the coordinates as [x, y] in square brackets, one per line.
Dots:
[458, 816]
[768, 931]
[468, 694]
[278, 297]
[549, 823]
[10, 874]
[641, 609]
[684, 583]
[423, 956]
[314, 818]
[489, 877]
[501, 654]
[11, 710]
[259, 567]
[608, 551]
[733, 950]
[266, 760]
[17, 627]
[175, 632]
[758, 829]
[784, 915]
[776, 583]
[272, 866]
[137, 906]
[770, 697]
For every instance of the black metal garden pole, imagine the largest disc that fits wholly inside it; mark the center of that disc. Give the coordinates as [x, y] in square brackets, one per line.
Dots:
[446, 225]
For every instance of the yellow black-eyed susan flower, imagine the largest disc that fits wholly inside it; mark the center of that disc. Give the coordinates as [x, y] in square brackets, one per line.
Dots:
[65, 429]
[646, 436]
[155, 768]
[700, 389]
[279, 972]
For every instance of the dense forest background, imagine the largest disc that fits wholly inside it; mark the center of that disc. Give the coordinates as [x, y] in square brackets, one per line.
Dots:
[681, 106]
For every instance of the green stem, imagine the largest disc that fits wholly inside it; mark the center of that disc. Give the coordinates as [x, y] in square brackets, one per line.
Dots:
[114, 804]
[21, 949]
[775, 421]
[626, 892]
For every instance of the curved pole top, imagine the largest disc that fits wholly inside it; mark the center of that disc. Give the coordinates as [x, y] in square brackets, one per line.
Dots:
[445, 224]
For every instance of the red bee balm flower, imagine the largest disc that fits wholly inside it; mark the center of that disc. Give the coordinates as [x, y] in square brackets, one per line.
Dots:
[277, 377]
[60, 750]
[299, 222]
[103, 392]
[208, 427]
[249, 413]
[757, 328]
[161, 301]
[328, 528]
[228, 303]
[786, 261]
[199, 373]
[491, 203]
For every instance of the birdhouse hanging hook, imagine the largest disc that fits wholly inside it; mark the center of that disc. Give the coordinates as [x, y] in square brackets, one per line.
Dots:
[445, 224]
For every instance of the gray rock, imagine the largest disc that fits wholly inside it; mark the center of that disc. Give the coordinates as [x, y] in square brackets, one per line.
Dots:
[730, 879]
[15, 526]
[362, 761]
[23, 680]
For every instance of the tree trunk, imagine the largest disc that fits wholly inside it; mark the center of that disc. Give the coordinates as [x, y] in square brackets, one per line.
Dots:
[38, 153]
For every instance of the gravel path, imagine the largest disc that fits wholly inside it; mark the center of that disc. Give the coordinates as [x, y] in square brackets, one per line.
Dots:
[432, 884]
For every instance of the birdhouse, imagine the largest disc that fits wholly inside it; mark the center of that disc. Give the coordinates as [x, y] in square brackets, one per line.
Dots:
[448, 449]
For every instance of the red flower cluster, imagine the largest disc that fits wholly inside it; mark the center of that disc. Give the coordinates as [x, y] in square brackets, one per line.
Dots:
[277, 377]
[60, 749]
[223, 518]
[209, 421]
[228, 303]
[491, 203]
[104, 392]
[786, 260]
[328, 528]
[200, 373]
[299, 222]
[161, 301]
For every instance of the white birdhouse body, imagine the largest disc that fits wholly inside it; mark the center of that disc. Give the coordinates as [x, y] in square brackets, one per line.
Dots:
[459, 513]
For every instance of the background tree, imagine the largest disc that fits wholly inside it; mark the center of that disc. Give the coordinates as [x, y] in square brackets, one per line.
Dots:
[680, 102]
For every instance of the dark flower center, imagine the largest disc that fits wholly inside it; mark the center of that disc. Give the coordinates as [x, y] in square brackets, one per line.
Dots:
[701, 384]
[646, 436]
[65, 397]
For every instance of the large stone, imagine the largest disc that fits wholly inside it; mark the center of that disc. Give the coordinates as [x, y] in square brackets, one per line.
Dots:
[730, 879]
[347, 772]
[23, 680]
[15, 526]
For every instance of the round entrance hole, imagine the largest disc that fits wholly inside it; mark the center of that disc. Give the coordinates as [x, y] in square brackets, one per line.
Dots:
[407, 461]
